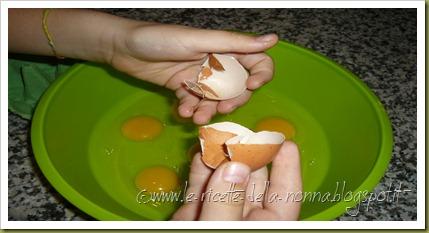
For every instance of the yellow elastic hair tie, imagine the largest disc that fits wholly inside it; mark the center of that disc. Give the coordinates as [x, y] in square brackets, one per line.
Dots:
[47, 34]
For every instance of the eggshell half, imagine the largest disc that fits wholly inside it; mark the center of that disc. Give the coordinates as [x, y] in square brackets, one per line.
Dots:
[254, 155]
[212, 139]
[255, 150]
[220, 84]
[221, 142]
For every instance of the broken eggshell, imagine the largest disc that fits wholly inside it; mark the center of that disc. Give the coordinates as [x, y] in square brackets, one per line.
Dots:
[221, 77]
[256, 150]
[212, 139]
[227, 141]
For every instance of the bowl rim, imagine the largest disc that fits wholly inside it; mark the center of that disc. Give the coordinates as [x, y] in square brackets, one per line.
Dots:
[72, 195]
[386, 143]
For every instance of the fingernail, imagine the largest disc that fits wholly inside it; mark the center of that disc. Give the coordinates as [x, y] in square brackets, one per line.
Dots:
[265, 38]
[236, 173]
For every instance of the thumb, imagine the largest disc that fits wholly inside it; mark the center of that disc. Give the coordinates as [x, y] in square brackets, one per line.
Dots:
[216, 41]
[225, 193]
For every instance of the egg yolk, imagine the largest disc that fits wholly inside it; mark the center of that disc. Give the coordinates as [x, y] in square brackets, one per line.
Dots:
[277, 124]
[141, 128]
[157, 179]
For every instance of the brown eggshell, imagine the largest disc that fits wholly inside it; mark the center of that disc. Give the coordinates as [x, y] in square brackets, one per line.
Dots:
[212, 145]
[224, 141]
[254, 155]
[221, 77]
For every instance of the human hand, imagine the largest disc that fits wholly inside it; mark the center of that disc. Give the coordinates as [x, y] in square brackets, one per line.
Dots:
[285, 178]
[169, 54]
[162, 54]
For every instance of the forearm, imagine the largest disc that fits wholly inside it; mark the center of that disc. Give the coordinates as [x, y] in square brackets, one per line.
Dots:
[81, 34]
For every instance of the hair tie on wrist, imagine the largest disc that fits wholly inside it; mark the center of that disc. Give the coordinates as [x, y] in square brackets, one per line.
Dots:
[47, 34]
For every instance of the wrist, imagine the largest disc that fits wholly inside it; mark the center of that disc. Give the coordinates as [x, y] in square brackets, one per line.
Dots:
[108, 39]
[86, 34]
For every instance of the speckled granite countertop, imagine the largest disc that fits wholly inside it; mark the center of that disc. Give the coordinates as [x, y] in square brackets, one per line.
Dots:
[378, 45]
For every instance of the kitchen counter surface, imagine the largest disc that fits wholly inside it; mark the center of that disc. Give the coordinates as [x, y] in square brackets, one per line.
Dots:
[378, 45]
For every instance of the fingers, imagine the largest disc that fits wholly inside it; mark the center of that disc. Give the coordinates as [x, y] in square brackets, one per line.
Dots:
[221, 201]
[285, 179]
[227, 106]
[188, 102]
[216, 41]
[205, 111]
[193, 106]
[259, 77]
[255, 190]
[198, 178]
[261, 68]
[181, 72]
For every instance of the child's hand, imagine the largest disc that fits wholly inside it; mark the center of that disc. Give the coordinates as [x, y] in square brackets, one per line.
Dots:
[280, 202]
[158, 53]
[169, 54]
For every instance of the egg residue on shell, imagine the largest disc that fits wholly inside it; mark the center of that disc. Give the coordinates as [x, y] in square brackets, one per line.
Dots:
[221, 77]
[221, 142]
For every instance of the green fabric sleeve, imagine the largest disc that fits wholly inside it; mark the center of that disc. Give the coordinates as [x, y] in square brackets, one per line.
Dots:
[28, 78]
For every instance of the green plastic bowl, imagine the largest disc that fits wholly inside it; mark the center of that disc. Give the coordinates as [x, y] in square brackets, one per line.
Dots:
[342, 130]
